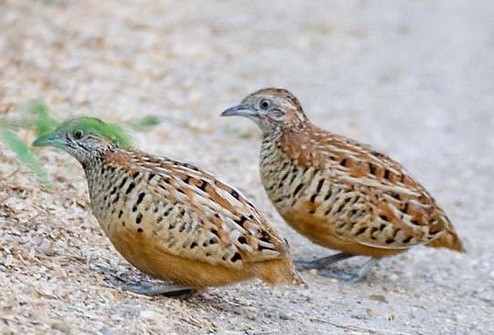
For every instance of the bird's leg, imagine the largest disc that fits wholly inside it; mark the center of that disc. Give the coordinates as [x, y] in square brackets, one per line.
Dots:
[167, 290]
[362, 272]
[322, 263]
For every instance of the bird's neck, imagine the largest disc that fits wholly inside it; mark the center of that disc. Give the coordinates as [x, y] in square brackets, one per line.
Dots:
[94, 170]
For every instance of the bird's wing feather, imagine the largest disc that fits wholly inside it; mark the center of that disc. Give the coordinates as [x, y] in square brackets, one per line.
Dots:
[211, 220]
[379, 197]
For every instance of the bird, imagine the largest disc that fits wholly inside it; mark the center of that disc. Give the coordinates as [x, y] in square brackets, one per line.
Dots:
[169, 219]
[337, 192]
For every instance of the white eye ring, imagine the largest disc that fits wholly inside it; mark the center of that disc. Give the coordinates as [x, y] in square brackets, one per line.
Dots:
[264, 104]
[78, 134]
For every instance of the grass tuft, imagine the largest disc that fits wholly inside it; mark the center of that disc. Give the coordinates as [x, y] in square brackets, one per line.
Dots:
[39, 119]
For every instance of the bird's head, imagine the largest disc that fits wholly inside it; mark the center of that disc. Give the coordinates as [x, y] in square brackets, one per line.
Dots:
[84, 138]
[271, 109]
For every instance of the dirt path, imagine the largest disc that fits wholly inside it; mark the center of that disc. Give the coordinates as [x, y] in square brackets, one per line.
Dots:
[412, 78]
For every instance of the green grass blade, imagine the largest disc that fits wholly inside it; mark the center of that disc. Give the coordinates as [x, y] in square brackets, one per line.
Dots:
[43, 123]
[23, 153]
[145, 122]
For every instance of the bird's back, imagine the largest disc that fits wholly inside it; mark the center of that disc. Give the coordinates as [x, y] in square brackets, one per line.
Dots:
[346, 195]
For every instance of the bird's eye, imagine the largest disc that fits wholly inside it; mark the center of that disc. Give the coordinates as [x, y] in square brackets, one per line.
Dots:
[264, 104]
[78, 134]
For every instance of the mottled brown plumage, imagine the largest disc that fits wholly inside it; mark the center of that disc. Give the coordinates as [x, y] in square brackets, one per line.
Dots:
[338, 192]
[172, 220]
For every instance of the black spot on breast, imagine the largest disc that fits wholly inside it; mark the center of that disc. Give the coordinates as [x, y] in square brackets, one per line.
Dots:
[213, 240]
[113, 190]
[123, 223]
[319, 185]
[328, 195]
[282, 180]
[344, 162]
[297, 189]
[326, 213]
[242, 239]
[193, 245]
[139, 230]
[168, 210]
[134, 208]
[384, 217]
[151, 176]
[236, 257]
[139, 218]
[215, 232]
[339, 208]
[135, 175]
[294, 174]
[130, 188]
[140, 197]
[120, 213]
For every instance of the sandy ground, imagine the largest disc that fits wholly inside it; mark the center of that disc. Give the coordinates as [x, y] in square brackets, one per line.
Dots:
[413, 78]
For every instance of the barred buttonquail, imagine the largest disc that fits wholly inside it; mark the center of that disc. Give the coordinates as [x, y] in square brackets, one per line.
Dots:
[337, 192]
[172, 220]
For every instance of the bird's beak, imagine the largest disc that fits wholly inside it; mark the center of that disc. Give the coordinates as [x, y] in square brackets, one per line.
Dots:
[49, 140]
[241, 110]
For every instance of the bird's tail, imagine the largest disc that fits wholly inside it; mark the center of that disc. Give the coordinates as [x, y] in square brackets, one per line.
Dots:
[279, 272]
[449, 240]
